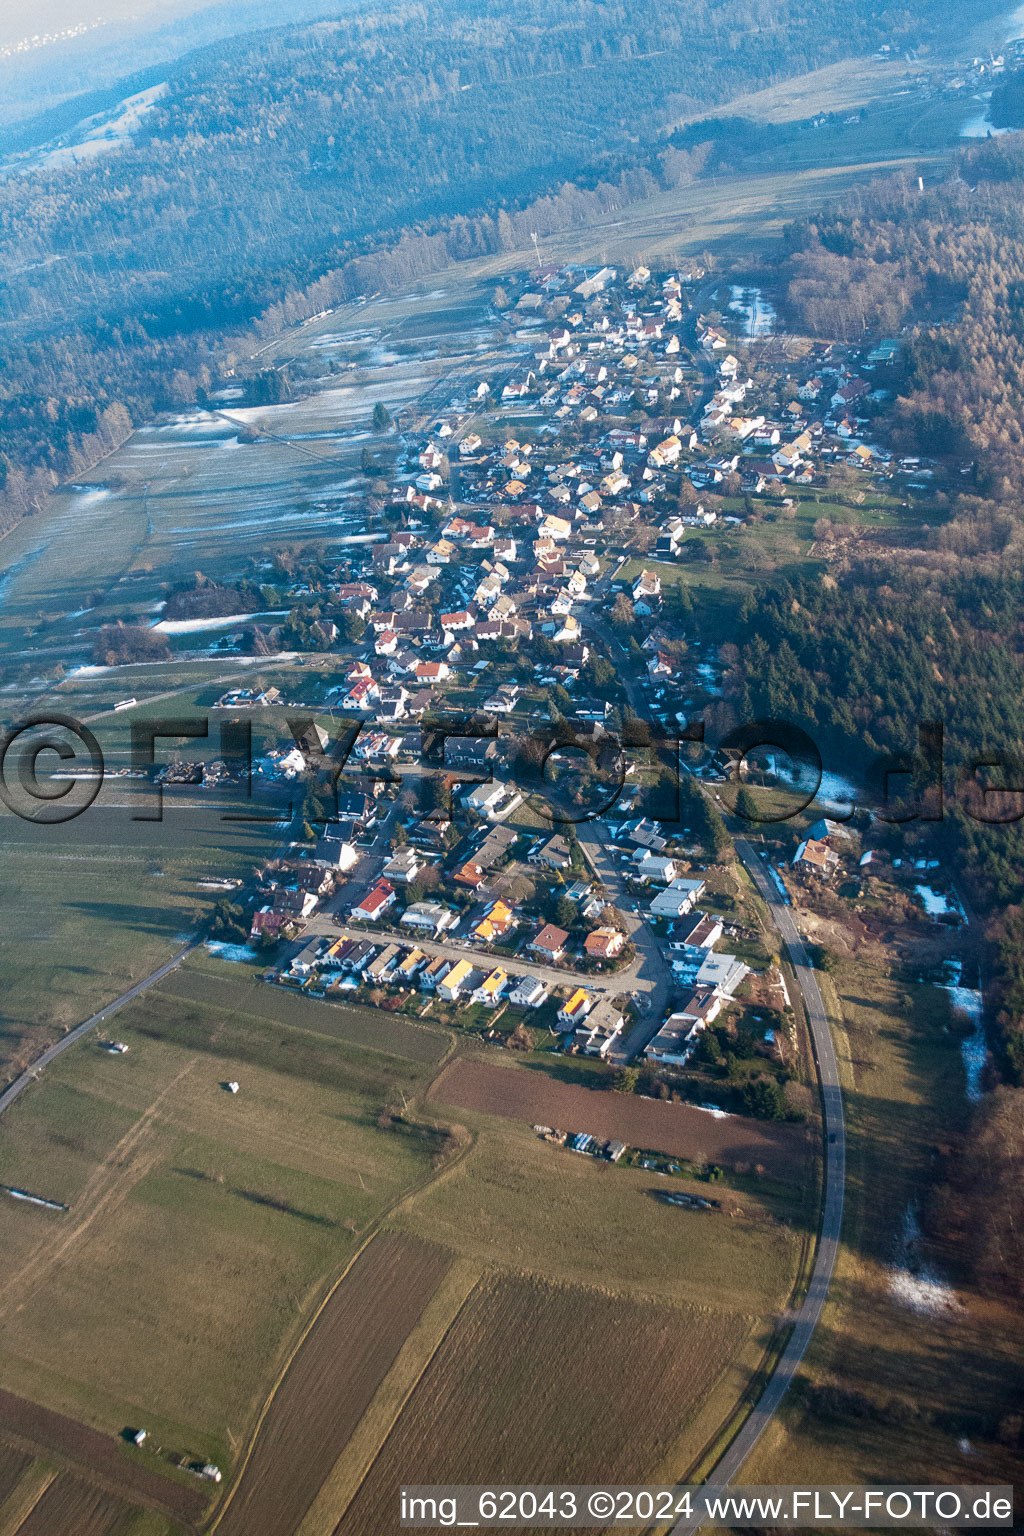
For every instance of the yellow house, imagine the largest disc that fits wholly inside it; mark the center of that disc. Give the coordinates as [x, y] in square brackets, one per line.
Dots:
[451, 987]
[495, 925]
[576, 1008]
[411, 964]
[489, 992]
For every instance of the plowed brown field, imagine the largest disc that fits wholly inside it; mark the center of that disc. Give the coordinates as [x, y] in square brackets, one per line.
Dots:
[536, 1382]
[97, 1452]
[70, 1507]
[13, 1463]
[328, 1386]
[521, 1094]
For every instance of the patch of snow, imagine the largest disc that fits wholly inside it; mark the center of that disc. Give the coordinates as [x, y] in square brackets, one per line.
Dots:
[760, 314]
[196, 626]
[93, 135]
[968, 1002]
[225, 951]
[914, 1283]
[935, 904]
[979, 127]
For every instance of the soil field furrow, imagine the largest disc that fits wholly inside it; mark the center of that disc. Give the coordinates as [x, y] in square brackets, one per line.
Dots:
[536, 1383]
[330, 1383]
[13, 1465]
[680, 1129]
[70, 1507]
[97, 1452]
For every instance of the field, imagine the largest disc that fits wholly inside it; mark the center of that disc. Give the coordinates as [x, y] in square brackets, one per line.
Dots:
[517, 1392]
[185, 494]
[221, 1217]
[64, 1442]
[70, 1507]
[517, 1202]
[218, 1223]
[236, 992]
[647, 1123]
[331, 1382]
[88, 908]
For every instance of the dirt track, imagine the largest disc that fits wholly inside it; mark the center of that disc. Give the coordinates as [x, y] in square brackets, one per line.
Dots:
[522, 1094]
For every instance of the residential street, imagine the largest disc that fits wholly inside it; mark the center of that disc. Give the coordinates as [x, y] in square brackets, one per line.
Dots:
[554, 975]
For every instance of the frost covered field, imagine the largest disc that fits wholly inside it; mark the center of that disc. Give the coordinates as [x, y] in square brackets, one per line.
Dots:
[209, 490]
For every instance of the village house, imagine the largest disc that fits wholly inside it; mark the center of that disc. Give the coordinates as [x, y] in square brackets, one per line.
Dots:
[817, 857]
[550, 942]
[654, 866]
[429, 916]
[492, 989]
[403, 866]
[604, 943]
[528, 992]
[703, 932]
[599, 1030]
[575, 1008]
[372, 906]
[678, 899]
[380, 967]
[455, 982]
[434, 972]
[554, 854]
[486, 799]
[497, 924]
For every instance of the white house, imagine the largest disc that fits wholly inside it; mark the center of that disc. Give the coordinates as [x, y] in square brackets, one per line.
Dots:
[679, 898]
[429, 916]
[486, 799]
[599, 1030]
[722, 973]
[452, 986]
[528, 992]
[654, 866]
[404, 866]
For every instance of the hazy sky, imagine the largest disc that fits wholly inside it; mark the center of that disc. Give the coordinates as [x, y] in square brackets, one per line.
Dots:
[27, 18]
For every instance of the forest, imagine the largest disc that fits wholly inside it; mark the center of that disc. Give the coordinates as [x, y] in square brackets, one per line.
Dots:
[284, 171]
[925, 624]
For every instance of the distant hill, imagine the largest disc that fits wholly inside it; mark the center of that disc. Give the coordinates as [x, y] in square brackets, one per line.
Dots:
[273, 167]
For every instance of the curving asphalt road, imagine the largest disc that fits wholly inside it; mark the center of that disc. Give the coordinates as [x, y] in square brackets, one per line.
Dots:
[30, 1074]
[807, 1318]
